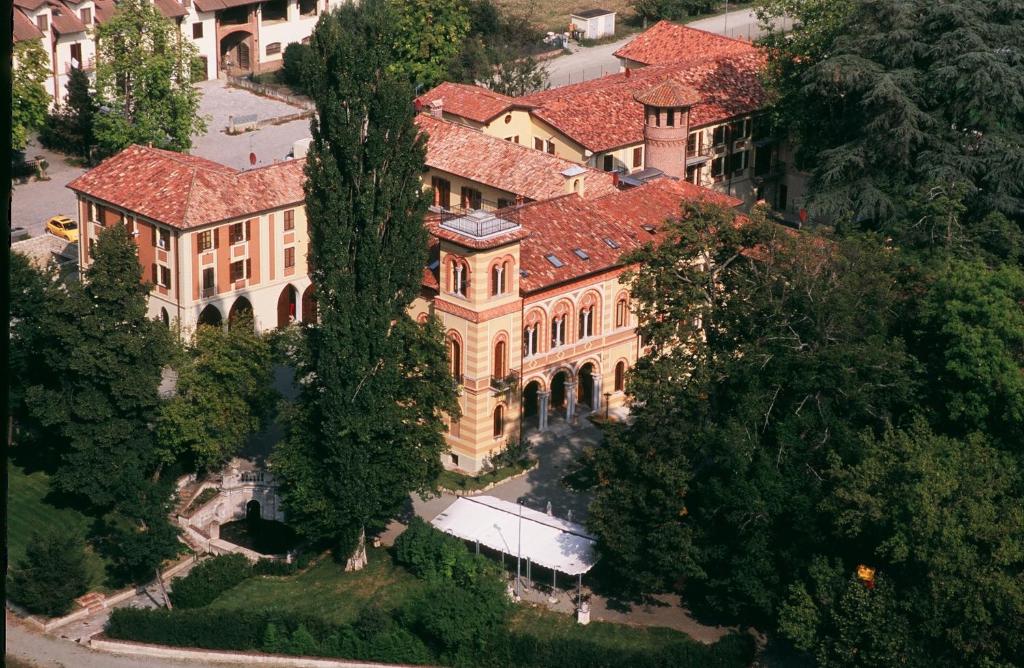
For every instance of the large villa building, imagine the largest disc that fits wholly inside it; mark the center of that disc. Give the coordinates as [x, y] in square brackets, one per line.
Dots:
[726, 142]
[527, 231]
[233, 36]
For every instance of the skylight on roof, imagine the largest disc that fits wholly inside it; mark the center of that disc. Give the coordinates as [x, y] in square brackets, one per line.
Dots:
[554, 260]
[650, 228]
[612, 243]
[581, 254]
[523, 273]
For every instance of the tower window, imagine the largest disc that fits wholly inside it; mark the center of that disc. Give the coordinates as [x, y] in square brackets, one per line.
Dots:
[609, 163]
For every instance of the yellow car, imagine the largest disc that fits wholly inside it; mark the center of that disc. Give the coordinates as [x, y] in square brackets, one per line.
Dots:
[63, 227]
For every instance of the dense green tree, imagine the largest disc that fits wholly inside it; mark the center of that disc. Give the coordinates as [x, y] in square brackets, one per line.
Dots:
[885, 96]
[770, 353]
[516, 76]
[223, 396]
[969, 333]
[29, 99]
[69, 127]
[942, 521]
[137, 536]
[52, 574]
[367, 429]
[144, 82]
[427, 35]
[104, 370]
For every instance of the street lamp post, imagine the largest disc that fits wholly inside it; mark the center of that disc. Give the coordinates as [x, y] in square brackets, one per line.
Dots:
[519, 552]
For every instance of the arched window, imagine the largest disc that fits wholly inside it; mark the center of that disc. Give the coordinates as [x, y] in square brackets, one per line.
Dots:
[586, 324]
[499, 421]
[455, 350]
[500, 363]
[558, 331]
[460, 278]
[498, 280]
[620, 377]
[621, 312]
[530, 340]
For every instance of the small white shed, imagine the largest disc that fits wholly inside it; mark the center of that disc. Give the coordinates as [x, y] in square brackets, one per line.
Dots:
[593, 23]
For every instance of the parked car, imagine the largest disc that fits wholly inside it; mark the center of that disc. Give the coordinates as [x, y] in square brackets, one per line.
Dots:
[63, 227]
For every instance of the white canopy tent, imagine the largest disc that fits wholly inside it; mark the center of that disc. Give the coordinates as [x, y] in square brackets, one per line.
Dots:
[548, 541]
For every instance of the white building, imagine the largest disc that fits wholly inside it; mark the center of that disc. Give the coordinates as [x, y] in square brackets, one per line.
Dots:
[234, 37]
[593, 23]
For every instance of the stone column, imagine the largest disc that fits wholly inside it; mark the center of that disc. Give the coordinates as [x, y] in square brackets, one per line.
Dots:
[597, 393]
[570, 401]
[542, 410]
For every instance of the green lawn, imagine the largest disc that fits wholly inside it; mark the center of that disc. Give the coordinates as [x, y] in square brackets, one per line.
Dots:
[28, 512]
[327, 590]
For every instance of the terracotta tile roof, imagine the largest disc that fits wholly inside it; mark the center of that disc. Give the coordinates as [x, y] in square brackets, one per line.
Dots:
[64, 21]
[602, 114]
[668, 94]
[666, 42]
[560, 226]
[24, 29]
[104, 10]
[30, 4]
[473, 102]
[170, 8]
[186, 191]
[501, 164]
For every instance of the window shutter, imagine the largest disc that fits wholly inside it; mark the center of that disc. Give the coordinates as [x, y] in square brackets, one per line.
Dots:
[248, 268]
[154, 274]
[153, 228]
[216, 237]
[248, 230]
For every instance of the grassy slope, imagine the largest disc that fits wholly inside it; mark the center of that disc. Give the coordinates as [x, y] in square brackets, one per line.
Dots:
[554, 14]
[29, 512]
[325, 589]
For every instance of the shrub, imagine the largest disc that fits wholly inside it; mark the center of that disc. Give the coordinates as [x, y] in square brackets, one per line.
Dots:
[296, 59]
[672, 10]
[458, 620]
[51, 575]
[209, 579]
[274, 567]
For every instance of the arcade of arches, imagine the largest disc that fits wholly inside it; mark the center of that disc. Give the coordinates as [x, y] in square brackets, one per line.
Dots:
[569, 395]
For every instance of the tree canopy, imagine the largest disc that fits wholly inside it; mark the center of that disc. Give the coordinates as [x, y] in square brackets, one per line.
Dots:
[144, 81]
[29, 99]
[367, 428]
[883, 97]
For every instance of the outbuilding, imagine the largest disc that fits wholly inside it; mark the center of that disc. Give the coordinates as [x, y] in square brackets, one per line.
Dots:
[592, 23]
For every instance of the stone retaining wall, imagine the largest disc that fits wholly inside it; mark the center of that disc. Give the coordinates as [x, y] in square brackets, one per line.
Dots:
[239, 658]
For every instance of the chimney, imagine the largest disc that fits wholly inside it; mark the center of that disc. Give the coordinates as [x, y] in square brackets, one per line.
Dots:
[437, 108]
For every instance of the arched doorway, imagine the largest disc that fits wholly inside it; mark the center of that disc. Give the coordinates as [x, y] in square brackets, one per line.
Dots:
[309, 306]
[236, 52]
[241, 311]
[558, 390]
[585, 385]
[165, 318]
[210, 316]
[530, 404]
[287, 304]
[253, 510]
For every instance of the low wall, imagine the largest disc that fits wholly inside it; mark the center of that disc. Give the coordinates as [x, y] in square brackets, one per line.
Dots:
[240, 658]
[272, 92]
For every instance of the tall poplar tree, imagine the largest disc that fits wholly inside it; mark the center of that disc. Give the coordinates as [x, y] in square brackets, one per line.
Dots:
[367, 428]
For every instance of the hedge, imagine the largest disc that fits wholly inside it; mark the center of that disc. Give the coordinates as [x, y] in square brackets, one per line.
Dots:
[376, 636]
[209, 579]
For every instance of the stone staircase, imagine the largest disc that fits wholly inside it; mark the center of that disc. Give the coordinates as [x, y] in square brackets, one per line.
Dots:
[93, 602]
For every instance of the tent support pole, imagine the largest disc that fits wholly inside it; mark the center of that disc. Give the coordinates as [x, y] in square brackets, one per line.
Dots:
[478, 547]
[579, 589]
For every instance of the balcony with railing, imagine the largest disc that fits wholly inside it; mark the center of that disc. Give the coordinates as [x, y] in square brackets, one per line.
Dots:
[486, 220]
[505, 383]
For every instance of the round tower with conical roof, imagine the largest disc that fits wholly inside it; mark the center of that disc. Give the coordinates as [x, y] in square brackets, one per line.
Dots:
[667, 126]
